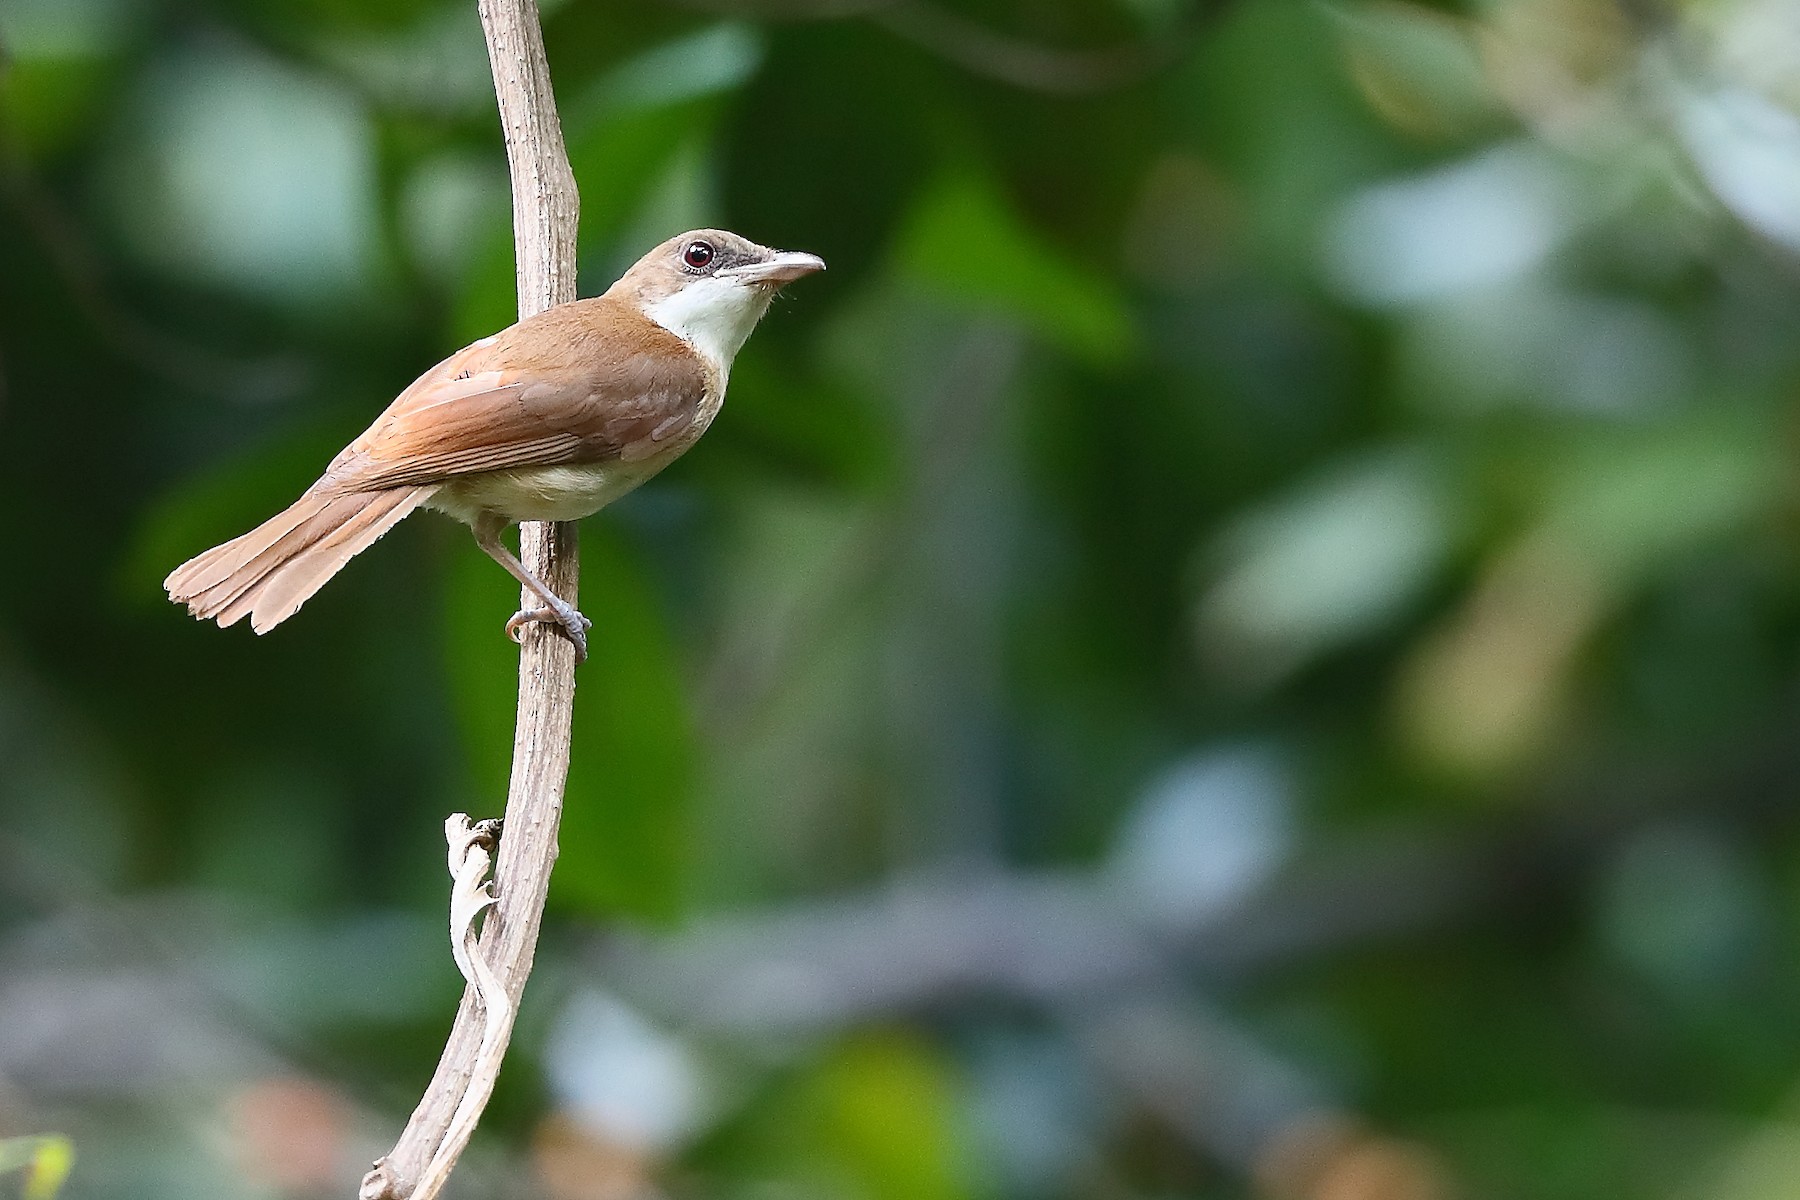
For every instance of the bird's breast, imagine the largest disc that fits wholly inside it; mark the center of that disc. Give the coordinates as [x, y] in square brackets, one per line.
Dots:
[566, 491]
[559, 493]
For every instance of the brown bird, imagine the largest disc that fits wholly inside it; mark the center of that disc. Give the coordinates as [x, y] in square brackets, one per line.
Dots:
[548, 420]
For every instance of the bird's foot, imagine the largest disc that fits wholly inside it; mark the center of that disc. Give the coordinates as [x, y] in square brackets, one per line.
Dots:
[566, 615]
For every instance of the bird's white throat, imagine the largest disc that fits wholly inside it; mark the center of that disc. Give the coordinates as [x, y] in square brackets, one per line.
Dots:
[713, 315]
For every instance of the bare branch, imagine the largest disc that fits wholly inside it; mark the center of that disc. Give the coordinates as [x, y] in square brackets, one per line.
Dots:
[545, 207]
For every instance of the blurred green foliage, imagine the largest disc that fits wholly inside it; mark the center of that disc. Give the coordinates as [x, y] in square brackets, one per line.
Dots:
[1290, 504]
[45, 1162]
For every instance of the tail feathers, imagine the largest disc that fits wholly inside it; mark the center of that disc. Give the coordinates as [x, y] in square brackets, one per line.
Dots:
[268, 573]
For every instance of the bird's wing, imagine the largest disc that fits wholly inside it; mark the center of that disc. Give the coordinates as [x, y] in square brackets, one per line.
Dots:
[584, 382]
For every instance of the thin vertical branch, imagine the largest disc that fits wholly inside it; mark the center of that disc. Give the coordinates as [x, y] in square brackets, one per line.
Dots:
[545, 207]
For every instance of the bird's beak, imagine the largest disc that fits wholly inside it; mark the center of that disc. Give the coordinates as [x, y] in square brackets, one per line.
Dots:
[787, 265]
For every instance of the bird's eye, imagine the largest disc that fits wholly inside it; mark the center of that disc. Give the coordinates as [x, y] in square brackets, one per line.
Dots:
[697, 254]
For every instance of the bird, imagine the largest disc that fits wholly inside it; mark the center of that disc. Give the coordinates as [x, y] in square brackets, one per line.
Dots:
[551, 419]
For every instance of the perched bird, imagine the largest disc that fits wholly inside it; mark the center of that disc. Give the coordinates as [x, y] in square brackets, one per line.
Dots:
[548, 420]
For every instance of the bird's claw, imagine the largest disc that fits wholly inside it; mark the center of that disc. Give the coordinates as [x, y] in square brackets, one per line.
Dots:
[515, 625]
[572, 622]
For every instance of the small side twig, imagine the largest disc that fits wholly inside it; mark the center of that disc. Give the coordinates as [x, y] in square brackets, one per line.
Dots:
[545, 205]
[471, 894]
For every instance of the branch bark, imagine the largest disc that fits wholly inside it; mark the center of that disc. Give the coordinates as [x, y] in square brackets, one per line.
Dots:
[545, 209]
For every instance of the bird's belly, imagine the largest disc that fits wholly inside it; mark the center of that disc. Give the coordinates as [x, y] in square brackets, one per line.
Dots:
[564, 493]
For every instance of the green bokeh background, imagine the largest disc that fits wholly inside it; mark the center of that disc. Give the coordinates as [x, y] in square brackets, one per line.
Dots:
[1242, 642]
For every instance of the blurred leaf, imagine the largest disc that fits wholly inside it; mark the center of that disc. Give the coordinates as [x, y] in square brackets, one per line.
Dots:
[241, 170]
[46, 1160]
[1687, 911]
[1337, 560]
[45, 102]
[1268, 103]
[875, 1118]
[631, 778]
[57, 58]
[886, 1104]
[1489, 690]
[963, 239]
[1419, 67]
[1748, 150]
[430, 61]
[711, 61]
[1634, 502]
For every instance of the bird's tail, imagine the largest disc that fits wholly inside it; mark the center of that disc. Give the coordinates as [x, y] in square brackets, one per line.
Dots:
[268, 573]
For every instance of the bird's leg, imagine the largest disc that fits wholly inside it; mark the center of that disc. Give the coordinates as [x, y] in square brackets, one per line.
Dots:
[487, 536]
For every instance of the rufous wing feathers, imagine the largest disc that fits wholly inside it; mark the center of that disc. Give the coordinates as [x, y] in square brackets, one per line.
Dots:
[586, 382]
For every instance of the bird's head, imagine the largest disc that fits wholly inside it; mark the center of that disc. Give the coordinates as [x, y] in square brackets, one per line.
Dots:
[710, 287]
